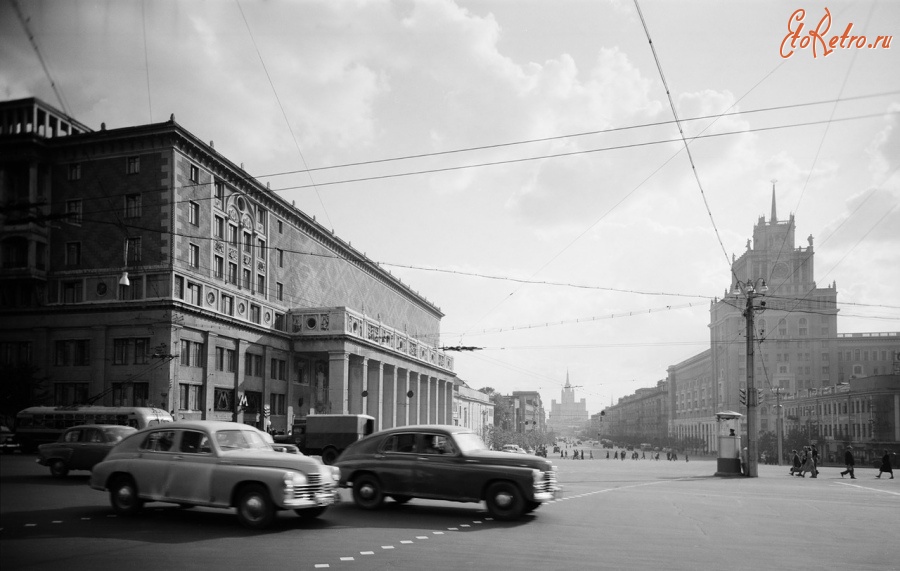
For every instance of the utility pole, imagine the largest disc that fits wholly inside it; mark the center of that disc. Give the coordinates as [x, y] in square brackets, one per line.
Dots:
[752, 293]
[779, 424]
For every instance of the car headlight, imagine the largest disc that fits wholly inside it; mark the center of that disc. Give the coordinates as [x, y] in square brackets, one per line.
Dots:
[335, 473]
[292, 479]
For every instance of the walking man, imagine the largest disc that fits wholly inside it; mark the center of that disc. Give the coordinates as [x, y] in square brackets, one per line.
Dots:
[849, 462]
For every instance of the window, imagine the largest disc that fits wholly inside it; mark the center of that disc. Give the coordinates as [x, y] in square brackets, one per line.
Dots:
[254, 313]
[252, 365]
[220, 193]
[278, 369]
[133, 165]
[195, 173]
[219, 267]
[67, 394]
[189, 397]
[248, 242]
[73, 291]
[803, 327]
[279, 253]
[75, 171]
[246, 278]
[179, 287]
[194, 213]
[260, 285]
[227, 305]
[261, 248]
[73, 352]
[233, 235]
[15, 353]
[225, 359]
[73, 253]
[279, 322]
[279, 291]
[134, 249]
[130, 350]
[254, 402]
[195, 293]
[276, 404]
[73, 211]
[219, 228]
[194, 260]
[131, 394]
[261, 218]
[232, 273]
[132, 206]
[191, 353]
[280, 227]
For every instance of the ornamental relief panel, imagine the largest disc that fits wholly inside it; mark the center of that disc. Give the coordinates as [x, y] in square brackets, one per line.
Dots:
[248, 261]
[232, 254]
[219, 247]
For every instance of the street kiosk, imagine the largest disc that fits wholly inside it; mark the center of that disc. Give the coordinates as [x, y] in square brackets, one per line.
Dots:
[728, 462]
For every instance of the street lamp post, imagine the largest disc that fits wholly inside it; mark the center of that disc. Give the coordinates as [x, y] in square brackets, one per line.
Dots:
[752, 291]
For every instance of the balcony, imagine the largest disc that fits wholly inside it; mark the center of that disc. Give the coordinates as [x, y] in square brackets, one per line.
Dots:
[331, 321]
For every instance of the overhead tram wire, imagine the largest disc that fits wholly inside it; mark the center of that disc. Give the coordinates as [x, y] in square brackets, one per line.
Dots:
[37, 51]
[283, 113]
[687, 147]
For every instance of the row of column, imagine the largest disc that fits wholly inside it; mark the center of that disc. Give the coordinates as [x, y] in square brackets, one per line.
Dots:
[393, 395]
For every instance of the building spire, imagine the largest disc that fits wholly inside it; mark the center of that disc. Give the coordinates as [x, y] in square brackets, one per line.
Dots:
[774, 216]
[567, 379]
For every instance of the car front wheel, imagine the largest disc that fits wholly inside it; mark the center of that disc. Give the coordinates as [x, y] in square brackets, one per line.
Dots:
[123, 495]
[254, 507]
[504, 501]
[367, 492]
[58, 469]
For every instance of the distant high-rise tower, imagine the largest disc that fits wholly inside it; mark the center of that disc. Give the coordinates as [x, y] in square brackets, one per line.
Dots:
[568, 416]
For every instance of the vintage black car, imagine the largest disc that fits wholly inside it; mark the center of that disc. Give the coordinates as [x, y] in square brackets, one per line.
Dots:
[445, 463]
[81, 447]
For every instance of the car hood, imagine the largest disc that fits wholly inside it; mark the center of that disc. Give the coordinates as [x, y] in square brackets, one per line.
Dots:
[509, 459]
[270, 459]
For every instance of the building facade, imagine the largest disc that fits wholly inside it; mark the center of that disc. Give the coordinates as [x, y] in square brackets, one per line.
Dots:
[472, 409]
[141, 267]
[529, 411]
[797, 350]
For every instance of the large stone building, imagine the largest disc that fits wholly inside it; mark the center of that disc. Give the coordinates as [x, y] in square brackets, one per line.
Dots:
[797, 352]
[140, 266]
[568, 417]
[472, 409]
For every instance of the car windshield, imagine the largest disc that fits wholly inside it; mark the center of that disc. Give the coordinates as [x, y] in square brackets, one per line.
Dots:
[468, 442]
[241, 439]
[117, 433]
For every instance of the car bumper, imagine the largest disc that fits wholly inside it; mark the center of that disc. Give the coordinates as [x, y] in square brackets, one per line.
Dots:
[319, 498]
[548, 495]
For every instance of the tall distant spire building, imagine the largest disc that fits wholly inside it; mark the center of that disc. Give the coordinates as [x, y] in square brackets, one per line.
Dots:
[568, 416]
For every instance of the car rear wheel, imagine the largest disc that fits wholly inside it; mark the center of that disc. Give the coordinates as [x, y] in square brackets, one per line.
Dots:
[123, 495]
[504, 501]
[310, 513]
[254, 507]
[367, 492]
[58, 469]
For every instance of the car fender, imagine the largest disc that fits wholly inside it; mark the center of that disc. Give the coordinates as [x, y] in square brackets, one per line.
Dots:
[64, 454]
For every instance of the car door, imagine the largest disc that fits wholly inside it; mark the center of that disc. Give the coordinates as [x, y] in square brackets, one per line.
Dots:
[92, 448]
[191, 467]
[440, 470]
[395, 461]
[151, 467]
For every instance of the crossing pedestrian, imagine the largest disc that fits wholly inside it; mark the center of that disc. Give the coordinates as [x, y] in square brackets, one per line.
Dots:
[849, 462]
[886, 465]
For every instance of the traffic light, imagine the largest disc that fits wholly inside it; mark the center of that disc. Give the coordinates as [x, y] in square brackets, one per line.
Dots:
[743, 396]
[759, 396]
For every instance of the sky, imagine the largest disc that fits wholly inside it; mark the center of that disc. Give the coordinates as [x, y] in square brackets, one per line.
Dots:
[523, 168]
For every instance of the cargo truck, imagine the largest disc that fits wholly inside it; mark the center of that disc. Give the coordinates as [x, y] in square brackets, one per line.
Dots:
[327, 435]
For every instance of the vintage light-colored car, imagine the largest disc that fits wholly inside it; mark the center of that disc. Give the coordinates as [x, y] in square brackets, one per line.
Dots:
[445, 463]
[214, 464]
[81, 447]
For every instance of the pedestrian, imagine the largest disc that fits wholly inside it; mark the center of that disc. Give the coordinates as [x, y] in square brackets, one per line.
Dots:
[685, 456]
[849, 462]
[807, 463]
[886, 465]
[607, 454]
[795, 463]
[582, 455]
[591, 454]
[744, 466]
[615, 456]
[814, 453]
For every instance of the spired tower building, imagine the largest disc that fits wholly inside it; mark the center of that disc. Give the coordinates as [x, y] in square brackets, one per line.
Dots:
[567, 417]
